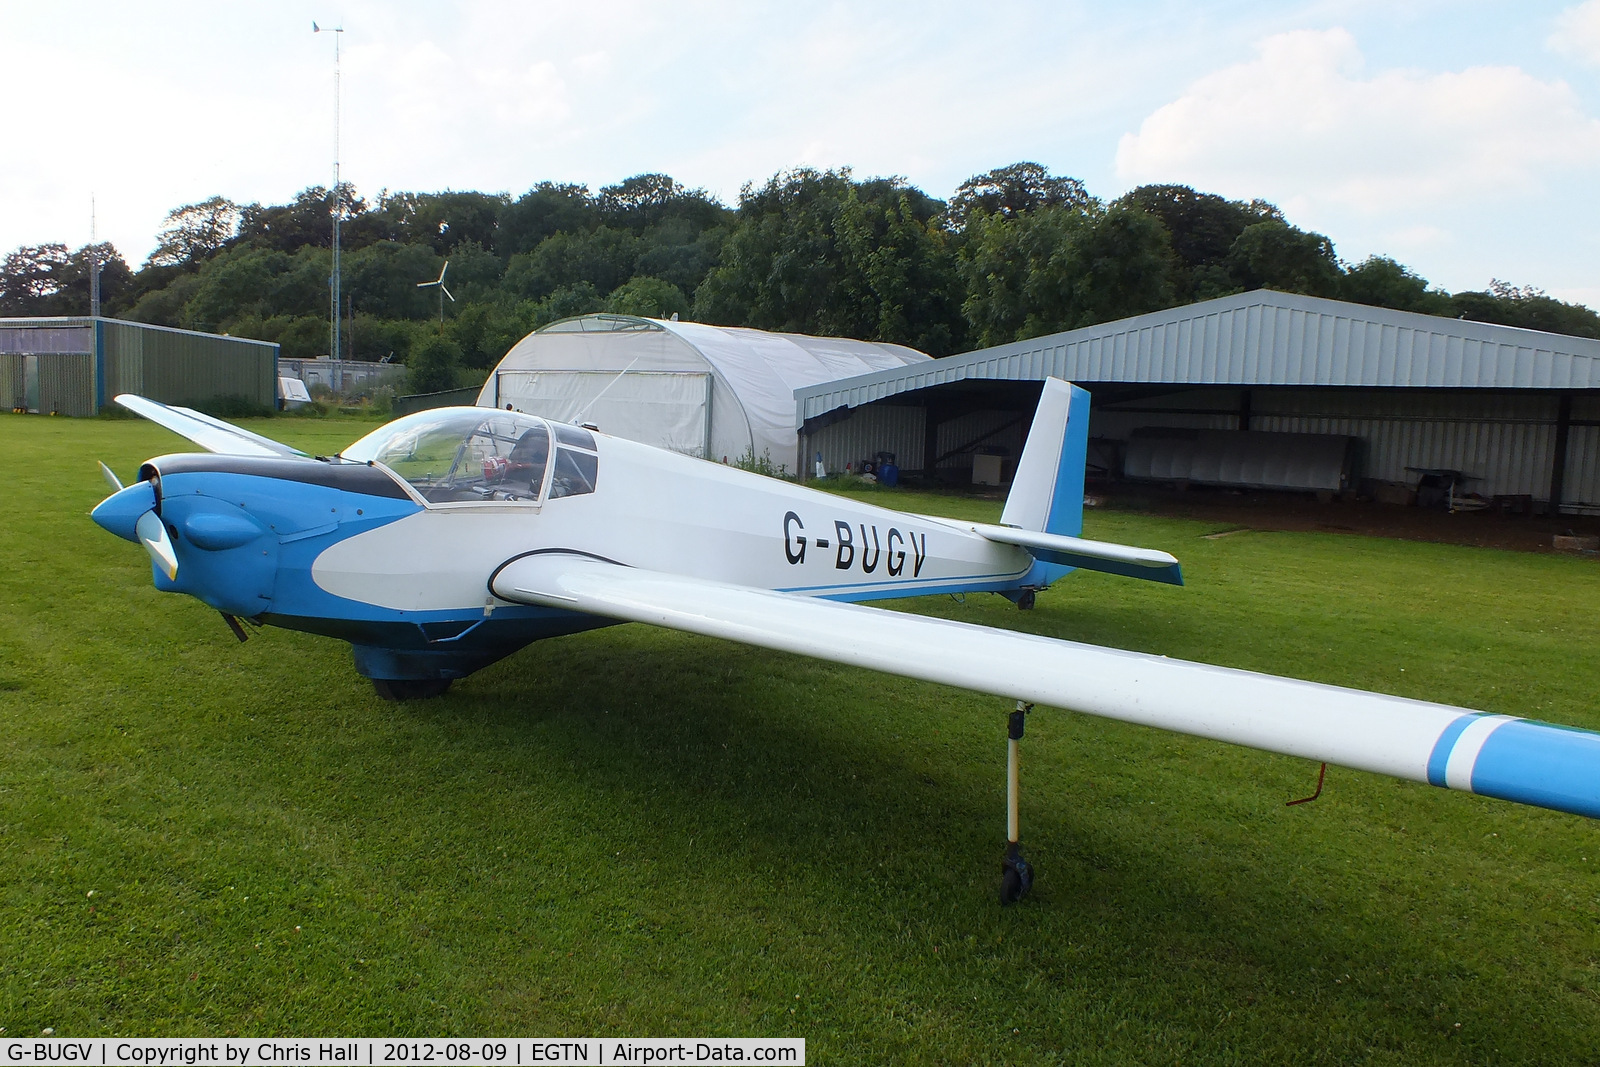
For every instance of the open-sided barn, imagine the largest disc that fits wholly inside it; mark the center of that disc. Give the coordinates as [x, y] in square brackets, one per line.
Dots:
[1253, 389]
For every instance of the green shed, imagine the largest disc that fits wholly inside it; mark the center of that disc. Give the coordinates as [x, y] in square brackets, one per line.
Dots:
[75, 365]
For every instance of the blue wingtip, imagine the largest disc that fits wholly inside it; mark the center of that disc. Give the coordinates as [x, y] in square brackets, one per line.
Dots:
[1542, 764]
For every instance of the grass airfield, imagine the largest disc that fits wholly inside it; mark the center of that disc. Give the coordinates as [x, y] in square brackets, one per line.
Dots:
[636, 833]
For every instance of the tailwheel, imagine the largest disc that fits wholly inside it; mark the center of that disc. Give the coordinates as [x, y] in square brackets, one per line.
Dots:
[410, 688]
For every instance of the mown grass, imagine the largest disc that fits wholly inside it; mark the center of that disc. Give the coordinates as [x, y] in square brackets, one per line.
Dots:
[646, 833]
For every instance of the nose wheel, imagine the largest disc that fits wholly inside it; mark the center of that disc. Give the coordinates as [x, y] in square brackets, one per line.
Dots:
[1016, 873]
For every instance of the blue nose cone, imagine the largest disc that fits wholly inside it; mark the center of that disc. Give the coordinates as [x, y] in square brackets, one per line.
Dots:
[120, 511]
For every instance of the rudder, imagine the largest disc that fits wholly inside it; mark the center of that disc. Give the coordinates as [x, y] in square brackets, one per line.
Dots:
[1047, 490]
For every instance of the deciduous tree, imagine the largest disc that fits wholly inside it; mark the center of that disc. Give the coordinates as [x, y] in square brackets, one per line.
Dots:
[1382, 282]
[816, 252]
[1527, 307]
[650, 298]
[442, 221]
[1063, 268]
[195, 232]
[431, 366]
[1275, 255]
[543, 211]
[1203, 228]
[48, 280]
[1009, 191]
[604, 257]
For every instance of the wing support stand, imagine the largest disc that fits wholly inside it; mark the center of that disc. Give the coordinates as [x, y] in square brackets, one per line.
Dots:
[1016, 874]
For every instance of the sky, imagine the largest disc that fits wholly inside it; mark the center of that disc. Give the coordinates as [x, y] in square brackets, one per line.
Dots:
[1461, 138]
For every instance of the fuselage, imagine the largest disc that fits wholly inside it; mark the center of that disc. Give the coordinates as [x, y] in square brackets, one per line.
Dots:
[397, 557]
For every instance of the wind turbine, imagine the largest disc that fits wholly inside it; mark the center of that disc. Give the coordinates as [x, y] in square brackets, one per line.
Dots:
[443, 292]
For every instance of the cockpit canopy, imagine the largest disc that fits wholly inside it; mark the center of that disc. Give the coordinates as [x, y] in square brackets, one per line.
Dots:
[458, 455]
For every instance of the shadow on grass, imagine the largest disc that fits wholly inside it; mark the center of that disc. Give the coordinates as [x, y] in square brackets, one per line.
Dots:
[887, 828]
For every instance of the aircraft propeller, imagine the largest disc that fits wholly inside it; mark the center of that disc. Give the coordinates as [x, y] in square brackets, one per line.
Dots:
[111, 479]
[153, 536]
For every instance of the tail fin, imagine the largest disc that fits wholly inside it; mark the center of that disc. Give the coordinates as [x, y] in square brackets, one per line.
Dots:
[1047, 491]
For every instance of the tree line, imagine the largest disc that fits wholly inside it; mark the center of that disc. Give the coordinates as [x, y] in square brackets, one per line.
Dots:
[1013, 253]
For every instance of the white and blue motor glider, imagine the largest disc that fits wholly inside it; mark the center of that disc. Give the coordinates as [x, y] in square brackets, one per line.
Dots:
[448, 539]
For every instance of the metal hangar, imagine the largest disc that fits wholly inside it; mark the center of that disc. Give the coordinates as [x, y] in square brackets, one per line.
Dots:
[1237, 385]
[74, 365]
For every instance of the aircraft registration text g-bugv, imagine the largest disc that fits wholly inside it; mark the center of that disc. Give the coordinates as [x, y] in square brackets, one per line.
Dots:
[51, 1051]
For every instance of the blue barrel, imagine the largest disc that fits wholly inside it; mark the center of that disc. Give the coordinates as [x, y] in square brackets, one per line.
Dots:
[889, 474]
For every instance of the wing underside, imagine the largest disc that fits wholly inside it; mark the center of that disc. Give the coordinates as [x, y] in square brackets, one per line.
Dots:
[1497, 755]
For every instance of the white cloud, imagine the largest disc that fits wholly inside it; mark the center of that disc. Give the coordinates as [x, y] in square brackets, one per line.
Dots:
[1577, 32]
[193, 99]
[176, 145]
[592, 63]
[1303, 123]
[535, 95]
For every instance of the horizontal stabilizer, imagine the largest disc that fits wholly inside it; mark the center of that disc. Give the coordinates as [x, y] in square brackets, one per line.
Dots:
[1148, 563]
[211, 434]
[1496, 755]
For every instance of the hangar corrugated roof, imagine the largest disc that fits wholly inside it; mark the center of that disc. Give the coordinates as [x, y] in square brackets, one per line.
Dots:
[1258, 338]
[50, 322]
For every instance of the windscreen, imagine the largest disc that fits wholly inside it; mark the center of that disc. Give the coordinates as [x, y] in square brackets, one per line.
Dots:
[452, 455]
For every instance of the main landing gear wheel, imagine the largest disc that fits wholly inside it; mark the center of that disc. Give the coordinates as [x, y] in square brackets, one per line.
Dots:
[1016, 873]
[410, 688]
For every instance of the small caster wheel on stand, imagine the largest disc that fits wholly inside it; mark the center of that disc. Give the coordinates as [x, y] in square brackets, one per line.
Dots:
[1016, 876]
[1016, 873]
[1025, 600]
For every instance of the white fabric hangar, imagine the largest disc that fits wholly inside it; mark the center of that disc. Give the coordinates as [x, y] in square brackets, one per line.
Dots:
[712, 391]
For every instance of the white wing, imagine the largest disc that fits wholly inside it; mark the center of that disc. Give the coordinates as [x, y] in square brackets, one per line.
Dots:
[211, 434]
[1535, 763]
